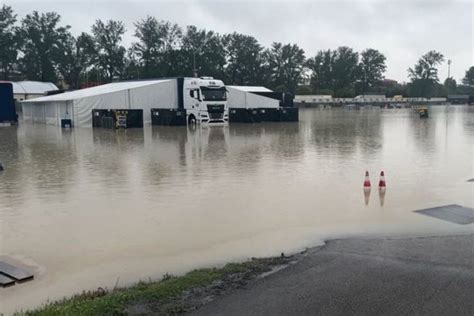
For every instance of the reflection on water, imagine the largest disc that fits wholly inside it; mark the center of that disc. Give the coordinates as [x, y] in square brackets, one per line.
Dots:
[382, 196]
[85, 207]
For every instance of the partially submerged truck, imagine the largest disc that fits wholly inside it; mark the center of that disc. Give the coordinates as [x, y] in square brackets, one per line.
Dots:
[198, 100]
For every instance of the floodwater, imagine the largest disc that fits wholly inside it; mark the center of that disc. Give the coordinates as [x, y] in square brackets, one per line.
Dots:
[88, 208]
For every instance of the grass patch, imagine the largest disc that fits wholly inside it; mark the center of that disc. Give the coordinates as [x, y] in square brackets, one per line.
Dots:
[167, 292]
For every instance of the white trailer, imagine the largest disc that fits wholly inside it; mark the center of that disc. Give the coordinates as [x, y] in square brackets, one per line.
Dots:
[248, 97]
[253, 104]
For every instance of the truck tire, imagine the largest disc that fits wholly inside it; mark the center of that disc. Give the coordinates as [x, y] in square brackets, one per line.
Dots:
[191, 119]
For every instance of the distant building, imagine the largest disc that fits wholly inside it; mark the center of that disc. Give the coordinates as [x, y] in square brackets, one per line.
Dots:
[371, 97]
[313, 98]
[389, 82]
[458, 98]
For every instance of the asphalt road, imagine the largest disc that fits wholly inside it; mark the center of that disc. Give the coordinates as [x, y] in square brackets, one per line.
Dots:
[422, 276]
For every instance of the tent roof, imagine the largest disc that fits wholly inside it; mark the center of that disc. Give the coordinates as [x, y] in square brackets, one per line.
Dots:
[250, 88]
[32, 87]
[98, 90]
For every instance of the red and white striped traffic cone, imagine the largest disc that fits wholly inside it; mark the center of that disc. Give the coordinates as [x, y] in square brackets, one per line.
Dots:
[367, 181]
[382, 184]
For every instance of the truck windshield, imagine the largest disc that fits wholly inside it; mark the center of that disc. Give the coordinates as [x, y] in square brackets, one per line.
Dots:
[210, 94]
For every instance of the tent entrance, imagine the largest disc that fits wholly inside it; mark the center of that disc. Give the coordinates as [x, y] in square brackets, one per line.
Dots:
[117, 118]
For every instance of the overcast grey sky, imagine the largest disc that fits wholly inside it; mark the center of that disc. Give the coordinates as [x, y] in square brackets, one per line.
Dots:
[403, 30]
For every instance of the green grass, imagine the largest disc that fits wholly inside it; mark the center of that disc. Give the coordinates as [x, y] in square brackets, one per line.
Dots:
[103, 302]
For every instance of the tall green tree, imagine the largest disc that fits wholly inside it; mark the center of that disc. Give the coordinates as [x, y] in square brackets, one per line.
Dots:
[450, 86]
[424, 75]
[74, 57]
[170, 60]
[155, 42]
[42, 38]
[244, 59]
[321, 67]
[285, 63]
[150, 42]
[206, 49]
[469, 77]
[372, 67]
[345, 70]
[335, 71]
[133, 66]
[171, 35]
[110, 52]
[9, 42]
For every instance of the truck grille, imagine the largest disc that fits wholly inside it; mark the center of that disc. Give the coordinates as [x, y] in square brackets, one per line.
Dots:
[216, 116]
[216, 111]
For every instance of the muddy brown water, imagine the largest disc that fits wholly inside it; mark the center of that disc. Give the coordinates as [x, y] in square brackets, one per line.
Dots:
[88, 208]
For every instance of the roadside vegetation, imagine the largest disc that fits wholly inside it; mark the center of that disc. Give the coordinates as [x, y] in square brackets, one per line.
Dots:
[40, 47]
[170, 295]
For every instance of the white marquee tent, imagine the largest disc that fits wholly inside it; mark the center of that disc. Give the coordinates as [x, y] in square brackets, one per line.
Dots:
[78, 105]
[23, 90]
[246, 97]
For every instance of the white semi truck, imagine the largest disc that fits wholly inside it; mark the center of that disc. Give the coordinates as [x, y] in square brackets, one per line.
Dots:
[198, 100]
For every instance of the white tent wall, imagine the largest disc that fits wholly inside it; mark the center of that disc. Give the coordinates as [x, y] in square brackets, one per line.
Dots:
[259, 101]
[163, 94]
[27, 110]
[46, 113]
[83, 107]
[78, 105]
[144, 97]
[238, 98]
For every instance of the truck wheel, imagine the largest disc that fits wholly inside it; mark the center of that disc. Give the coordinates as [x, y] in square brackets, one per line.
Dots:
[191, 120]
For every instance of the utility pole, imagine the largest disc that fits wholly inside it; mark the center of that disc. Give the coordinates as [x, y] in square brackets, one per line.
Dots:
[194, 65]
[448, 88]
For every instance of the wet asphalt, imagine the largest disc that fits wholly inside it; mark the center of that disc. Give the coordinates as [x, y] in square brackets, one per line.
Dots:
[409, 276]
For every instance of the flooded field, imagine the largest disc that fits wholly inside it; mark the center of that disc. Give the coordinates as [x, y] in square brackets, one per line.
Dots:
[88, 208]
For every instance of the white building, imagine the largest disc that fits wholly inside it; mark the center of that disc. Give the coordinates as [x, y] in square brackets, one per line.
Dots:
[370, 98]
[78, 105]
[313, 98]
[24, 90]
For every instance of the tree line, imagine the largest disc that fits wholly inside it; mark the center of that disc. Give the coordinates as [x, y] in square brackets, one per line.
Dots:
[38, 47]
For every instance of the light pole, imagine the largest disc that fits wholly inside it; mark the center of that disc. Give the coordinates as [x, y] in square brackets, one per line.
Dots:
[194, 65]
[449, 76]
[449, 68]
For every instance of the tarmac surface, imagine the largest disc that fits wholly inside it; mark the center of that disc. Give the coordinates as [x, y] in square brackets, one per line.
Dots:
[422, 276]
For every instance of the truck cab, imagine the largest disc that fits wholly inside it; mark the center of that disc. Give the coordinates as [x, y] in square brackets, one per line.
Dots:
[205, 101]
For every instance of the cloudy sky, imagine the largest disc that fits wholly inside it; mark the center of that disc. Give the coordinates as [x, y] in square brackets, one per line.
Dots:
[402, 29]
